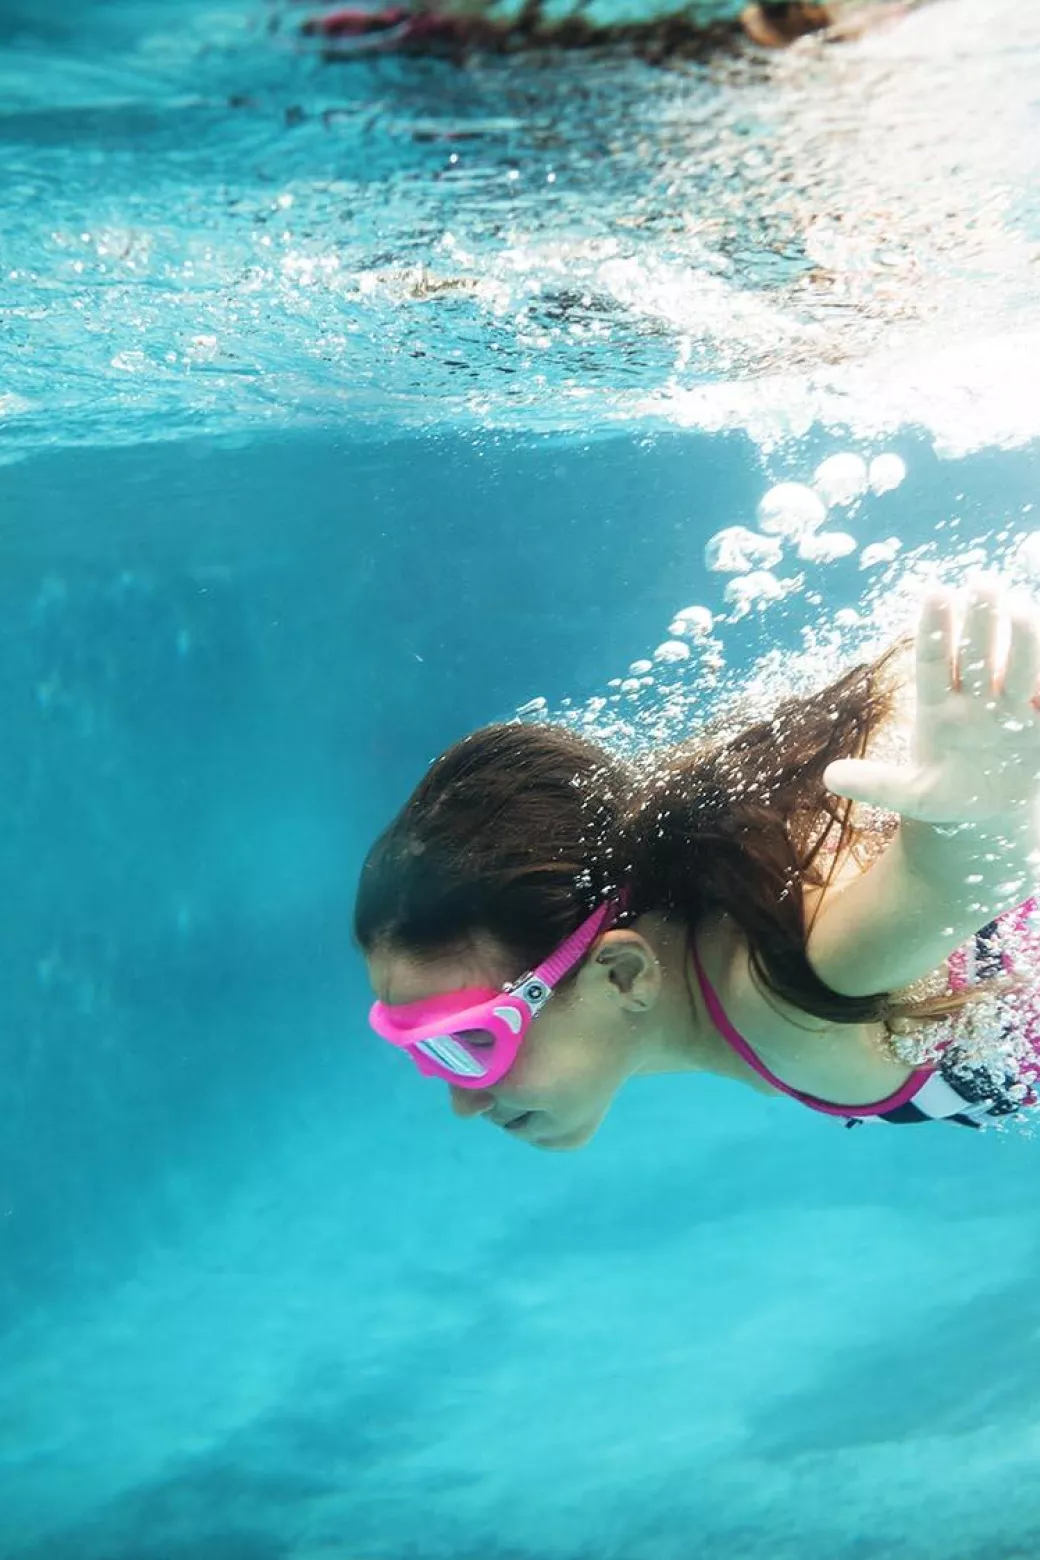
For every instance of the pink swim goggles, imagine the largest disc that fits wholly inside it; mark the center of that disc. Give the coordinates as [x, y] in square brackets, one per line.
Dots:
[470, 1038]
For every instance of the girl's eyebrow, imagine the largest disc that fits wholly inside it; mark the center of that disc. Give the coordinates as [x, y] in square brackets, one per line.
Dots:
[384, 990]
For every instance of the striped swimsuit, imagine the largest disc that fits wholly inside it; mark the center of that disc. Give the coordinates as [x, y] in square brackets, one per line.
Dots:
[962, 1088]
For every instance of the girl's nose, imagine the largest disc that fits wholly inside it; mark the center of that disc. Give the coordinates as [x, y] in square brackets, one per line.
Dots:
[469, 1102]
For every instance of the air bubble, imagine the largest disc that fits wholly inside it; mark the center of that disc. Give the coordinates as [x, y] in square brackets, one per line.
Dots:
[879, 552]
[672, 650]
[826, 546]
[841, 479]
[752, 590]
[532, 707]
[692, 623]
[886, 472]
[791, 509]
[640, 668]
[1027, 556]
[736, 550]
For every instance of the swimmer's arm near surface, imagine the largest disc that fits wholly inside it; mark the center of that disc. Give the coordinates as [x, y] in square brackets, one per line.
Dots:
[924, 896]
[968, 799]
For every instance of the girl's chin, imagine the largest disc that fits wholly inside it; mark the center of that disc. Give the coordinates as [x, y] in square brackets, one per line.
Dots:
[564, 1142]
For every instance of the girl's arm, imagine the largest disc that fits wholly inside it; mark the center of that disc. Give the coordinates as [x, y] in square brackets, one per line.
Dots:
[922, 898]
[968, 843]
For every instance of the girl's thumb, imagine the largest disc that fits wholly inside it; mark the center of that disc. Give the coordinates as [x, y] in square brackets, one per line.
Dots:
[867, 780]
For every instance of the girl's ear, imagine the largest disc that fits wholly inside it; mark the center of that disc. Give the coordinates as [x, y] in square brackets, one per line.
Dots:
[631, 966]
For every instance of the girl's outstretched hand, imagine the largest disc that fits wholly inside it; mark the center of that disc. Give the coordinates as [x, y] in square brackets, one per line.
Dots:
[975, 755]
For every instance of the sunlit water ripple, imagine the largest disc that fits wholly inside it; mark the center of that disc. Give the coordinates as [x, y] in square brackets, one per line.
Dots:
[207, 228]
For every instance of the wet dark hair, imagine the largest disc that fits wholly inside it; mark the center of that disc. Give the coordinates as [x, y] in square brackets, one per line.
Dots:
[519, 831]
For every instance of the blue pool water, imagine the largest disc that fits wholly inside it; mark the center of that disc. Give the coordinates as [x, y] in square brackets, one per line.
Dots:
[318, 449]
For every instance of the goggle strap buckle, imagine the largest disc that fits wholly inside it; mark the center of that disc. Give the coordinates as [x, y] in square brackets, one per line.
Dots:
[533, 991]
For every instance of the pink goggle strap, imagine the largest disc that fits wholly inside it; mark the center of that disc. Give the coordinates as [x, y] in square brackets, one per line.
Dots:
[578, 943]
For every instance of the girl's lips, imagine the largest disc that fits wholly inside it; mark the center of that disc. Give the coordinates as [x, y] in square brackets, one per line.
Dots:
[517, 1121]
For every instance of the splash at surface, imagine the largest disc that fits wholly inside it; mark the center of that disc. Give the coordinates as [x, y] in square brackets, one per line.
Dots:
[210, 230]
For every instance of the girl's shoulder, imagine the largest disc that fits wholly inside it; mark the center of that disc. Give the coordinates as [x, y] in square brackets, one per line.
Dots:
[844, 1064]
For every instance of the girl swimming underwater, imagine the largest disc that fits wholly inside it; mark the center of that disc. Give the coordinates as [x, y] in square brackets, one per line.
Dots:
[545, 920]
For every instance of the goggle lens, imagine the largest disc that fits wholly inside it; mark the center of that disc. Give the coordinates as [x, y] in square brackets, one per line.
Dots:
[453, 1053]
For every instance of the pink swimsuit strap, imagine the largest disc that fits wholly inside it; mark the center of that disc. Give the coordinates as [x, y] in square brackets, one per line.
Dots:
[906, 1091]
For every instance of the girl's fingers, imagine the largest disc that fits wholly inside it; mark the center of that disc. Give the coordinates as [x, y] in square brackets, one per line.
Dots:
[995, 652]
[1021, 680]
[935, 660]
[980, 651]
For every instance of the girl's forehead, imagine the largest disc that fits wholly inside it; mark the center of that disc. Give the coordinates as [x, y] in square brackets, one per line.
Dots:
[398, 976]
